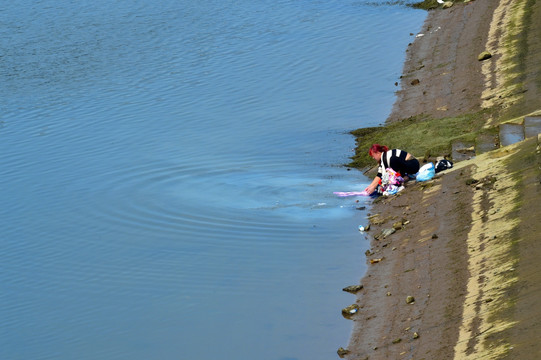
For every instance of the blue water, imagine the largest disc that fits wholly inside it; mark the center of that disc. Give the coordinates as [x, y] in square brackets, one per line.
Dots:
[167, 171]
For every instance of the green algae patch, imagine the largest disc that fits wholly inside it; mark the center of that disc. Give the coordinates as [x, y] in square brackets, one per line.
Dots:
[426, 5]
[422, 136]
[433, 4]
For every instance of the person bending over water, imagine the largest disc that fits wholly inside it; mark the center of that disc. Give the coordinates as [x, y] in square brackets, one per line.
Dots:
[400, 161]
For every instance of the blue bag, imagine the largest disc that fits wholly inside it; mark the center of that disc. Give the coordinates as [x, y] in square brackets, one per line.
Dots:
[426, 172]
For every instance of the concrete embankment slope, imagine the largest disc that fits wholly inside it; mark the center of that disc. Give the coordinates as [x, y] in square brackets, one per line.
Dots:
[500, 318]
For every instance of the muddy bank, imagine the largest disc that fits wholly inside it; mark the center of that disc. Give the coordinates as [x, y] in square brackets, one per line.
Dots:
[457, 278]
[442, 76]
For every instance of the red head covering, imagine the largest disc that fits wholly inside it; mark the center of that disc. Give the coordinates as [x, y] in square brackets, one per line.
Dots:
[377, 148]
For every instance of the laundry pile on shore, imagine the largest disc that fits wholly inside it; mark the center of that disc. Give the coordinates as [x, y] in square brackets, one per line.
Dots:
[392, 182]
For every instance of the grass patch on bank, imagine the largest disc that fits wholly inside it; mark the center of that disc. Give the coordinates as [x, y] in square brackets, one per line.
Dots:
[426, 5]
[421, 136]
[432, 4]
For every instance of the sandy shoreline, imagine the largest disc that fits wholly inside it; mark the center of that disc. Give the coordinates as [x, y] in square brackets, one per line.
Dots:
[466, 243]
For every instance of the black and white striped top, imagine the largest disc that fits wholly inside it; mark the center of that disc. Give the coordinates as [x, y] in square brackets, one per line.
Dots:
[392, 159]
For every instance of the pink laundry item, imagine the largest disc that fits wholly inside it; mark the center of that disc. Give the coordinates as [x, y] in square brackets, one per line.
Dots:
[351, 193]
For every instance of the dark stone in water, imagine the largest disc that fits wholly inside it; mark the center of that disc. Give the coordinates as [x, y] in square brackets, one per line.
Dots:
[353, 288]
[342, 352]
[349, 311]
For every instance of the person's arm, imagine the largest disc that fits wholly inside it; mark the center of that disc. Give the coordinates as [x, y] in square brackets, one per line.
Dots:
[373, 185]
